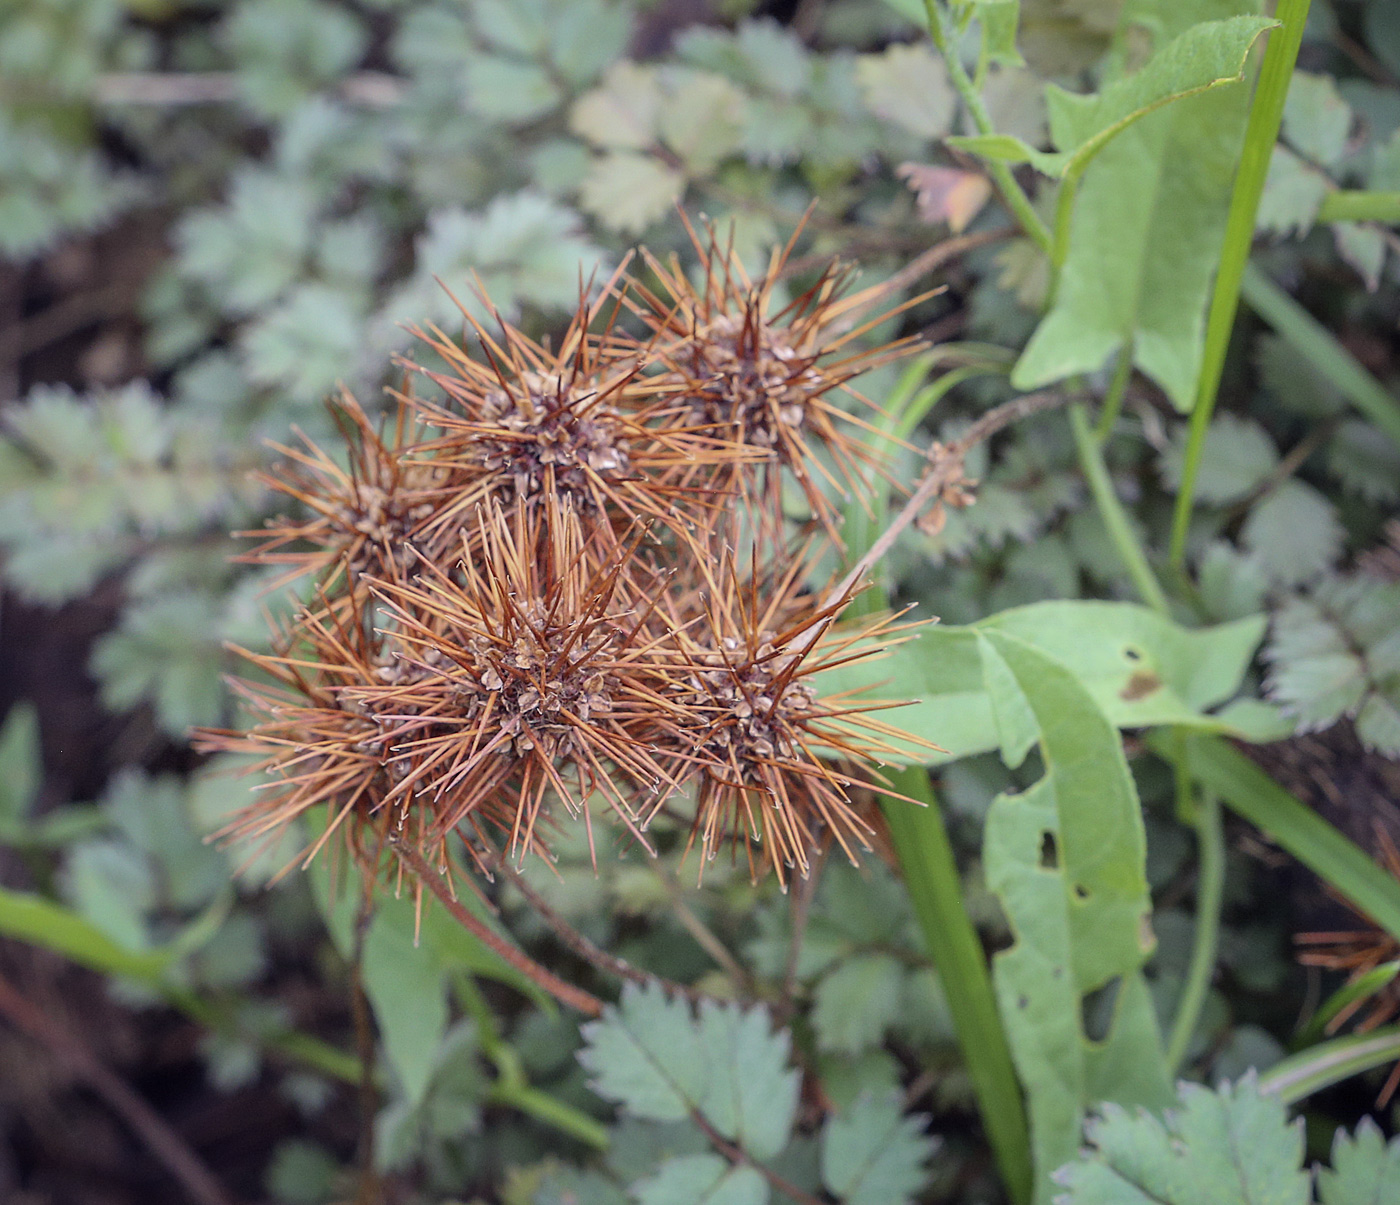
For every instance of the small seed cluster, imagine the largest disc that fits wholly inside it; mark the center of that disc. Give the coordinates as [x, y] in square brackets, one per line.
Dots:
[560, 575]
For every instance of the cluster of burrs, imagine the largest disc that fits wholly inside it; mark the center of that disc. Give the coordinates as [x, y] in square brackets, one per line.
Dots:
[560, 581]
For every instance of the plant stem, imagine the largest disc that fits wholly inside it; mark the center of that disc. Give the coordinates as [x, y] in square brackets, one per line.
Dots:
[1111, 511]
[1117, 389]
[935, 889]
[1265, 114]
[1348, 205]
[1210, 891]
[566, 993]
[1316, 344]
[1011, 192]
[1331, 1062]
[511, 1088]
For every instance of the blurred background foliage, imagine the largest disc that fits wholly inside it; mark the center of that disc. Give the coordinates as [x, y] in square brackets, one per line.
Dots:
[213, 215]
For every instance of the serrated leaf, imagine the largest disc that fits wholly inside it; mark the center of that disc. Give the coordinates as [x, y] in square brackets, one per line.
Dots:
[1294, 532]
[510, 91]
[1293, 193]
[628, 192]
[650, 1055]
[1237, 457]
[1366, 461]
[702, 1180]
[855, 1003]
[1231, 1147]
[1365, 1168]
[701, 119]
[1316, 120]
[1148, 219]
[111, 886]
[623, 112]
[873, 1154]
[646, 1055]
[908, 85]
[306, 345]
[1362, 246]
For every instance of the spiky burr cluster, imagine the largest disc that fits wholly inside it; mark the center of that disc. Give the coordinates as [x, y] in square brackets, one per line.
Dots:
[565, 575]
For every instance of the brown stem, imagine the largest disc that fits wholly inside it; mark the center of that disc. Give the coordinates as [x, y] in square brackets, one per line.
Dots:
[737, 1156]
[591, 953]
[171, 1150]
[566, 993]
[704, 936]
[945, 467]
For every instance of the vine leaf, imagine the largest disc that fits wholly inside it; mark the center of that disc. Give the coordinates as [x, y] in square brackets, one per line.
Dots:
[702, 1180]
[1231, 1147]
[1067, 859]
[1141, 668]
[1147, 223]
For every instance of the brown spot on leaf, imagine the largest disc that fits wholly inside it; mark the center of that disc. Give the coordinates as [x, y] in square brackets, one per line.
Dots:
[1140, 685]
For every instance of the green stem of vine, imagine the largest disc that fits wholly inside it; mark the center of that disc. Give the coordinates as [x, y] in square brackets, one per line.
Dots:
[1011, 192]
[1265, 114]
[1117, 389]
[1210, 892]
[1111, 511]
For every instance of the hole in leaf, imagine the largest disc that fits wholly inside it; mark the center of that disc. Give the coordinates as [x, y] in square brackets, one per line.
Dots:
[1081, 893]
[1022, 1002]
[1096, 1009]
[1132, 653]
[1049, 855]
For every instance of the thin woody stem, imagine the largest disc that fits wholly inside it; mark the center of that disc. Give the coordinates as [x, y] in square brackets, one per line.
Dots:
[591, 953]
[566, 993]
[740, 1158]
[945, 464]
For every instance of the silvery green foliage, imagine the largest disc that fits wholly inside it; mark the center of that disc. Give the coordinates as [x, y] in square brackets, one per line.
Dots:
[1231, 1146]
[720, 1077]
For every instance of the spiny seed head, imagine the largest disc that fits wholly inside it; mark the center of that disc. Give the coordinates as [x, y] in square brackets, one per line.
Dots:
[762, 376]
[364, 517]
[756, 727]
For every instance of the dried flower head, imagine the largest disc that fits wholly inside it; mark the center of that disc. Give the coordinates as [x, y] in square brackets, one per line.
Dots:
[363, 518]
[762, 376]
[526, 677]
[766, 745]
[318, 746]
[577, 426]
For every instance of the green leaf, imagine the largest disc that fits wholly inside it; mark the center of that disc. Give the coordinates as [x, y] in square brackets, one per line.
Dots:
[1206, 56]
[508, 91]
[1363, 246]
[1238, 457]
[1316, 120]
[19, 767]
[1366, 461]
[1365, 1168]
[702, 1180]
[1140, 667]
[628, 192]
[873, 1154]
[41, 922]
[405, 986]
[624, 111]
[908, 85]
[650, 1055]
[1293, 193]
[855, 1003]
[1067, 859]
[1146, 227]
[1231, 1147]
[1294, 533]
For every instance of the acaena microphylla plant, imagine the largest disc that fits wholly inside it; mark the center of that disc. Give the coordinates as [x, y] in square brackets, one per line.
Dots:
[568, 579]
